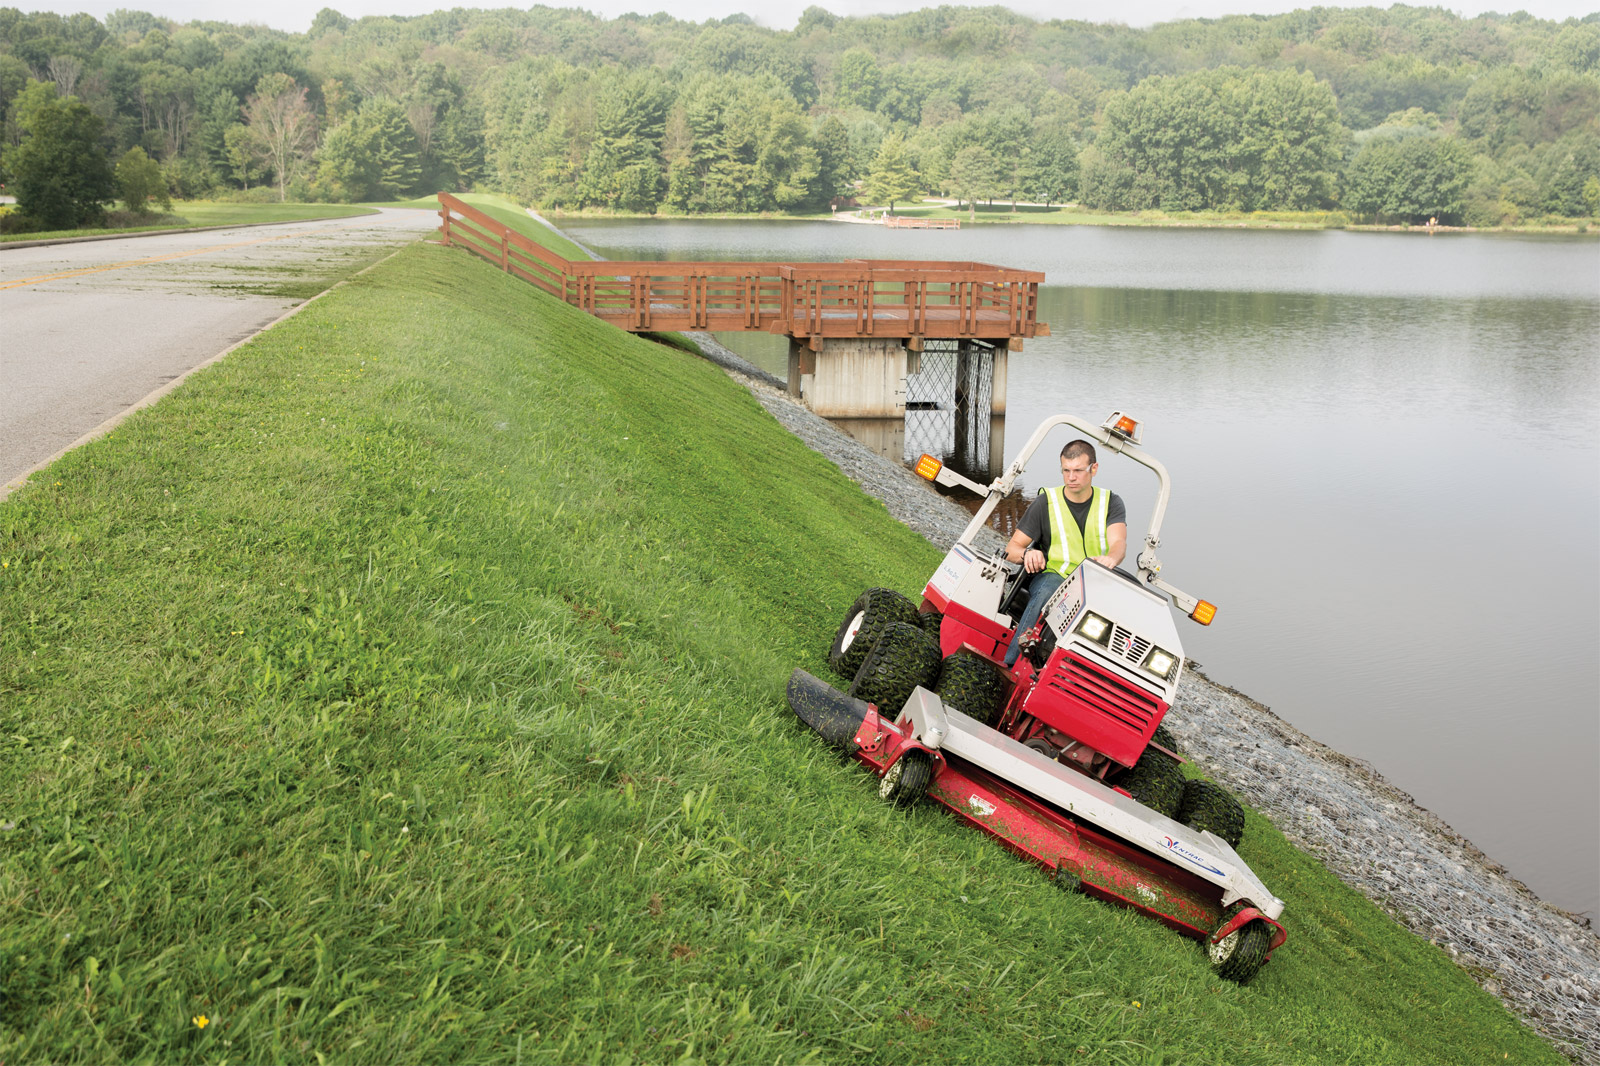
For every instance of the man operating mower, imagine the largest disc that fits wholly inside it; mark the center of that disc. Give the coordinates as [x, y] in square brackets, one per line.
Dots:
[1061, 528]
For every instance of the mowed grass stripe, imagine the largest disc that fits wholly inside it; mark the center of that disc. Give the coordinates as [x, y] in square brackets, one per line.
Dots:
[408, 687]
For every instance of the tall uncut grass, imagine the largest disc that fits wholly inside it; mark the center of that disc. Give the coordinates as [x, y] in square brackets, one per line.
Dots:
[407, 687]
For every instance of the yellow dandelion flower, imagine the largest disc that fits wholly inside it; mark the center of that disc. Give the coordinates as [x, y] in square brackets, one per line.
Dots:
[1136, 1003]
[200, 1021]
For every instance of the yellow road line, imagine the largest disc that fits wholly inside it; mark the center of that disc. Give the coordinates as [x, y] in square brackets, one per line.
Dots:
[20, 282]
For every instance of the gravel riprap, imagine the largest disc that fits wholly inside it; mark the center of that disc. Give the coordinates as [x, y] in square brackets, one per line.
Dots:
[1542, 962]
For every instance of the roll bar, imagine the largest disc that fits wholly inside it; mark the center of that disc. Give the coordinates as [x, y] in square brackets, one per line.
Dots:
[1149, 566]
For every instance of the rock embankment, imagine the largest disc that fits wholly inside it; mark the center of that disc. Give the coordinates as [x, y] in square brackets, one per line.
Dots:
[1539, 960]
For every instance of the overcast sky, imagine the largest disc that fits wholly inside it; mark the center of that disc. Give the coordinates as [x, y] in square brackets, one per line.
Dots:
[296, 15]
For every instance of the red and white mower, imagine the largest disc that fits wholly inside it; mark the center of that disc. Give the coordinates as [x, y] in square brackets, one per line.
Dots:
[1062, 757]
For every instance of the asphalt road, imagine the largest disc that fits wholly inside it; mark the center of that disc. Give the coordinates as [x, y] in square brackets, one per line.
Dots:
[87, 330]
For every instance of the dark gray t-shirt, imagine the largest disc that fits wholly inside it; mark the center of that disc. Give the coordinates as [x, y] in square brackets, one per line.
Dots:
[1035, 520]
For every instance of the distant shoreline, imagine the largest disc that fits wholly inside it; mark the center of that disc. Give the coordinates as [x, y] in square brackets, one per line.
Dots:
[1070, 217]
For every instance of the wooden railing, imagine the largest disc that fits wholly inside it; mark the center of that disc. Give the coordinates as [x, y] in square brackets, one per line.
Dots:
[899, 222]
[808, 301]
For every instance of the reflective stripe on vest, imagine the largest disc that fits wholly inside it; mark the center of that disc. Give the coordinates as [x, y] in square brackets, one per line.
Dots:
[1069, 545]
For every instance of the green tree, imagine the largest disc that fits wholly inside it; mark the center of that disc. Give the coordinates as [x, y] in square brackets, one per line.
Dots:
[835, 170]
[1225, 138]
[284, 126]
[139, 181]
[973, 177]
[59, 172]
[623, 168]
[1051, 175]
[892, 177]
[1411, 179]
[373, 156]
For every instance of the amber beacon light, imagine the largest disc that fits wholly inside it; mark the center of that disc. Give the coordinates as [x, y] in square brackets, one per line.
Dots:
[1204, 612]
[928, 467]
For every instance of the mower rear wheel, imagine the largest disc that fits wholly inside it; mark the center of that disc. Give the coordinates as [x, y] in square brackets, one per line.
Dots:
[903, 658]
[1241, 954]
[1156, 782]
[932, 621]
[1212, 809]
[972, 685]
[905, 782]
[874, 611]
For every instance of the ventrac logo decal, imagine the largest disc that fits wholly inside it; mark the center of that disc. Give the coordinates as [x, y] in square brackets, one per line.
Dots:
[1184, 853]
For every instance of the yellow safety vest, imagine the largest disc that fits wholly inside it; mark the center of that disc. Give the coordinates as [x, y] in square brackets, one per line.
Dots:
[1069, 545]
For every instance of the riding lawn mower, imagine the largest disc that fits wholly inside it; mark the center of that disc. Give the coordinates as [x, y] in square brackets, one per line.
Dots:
[1062, 756]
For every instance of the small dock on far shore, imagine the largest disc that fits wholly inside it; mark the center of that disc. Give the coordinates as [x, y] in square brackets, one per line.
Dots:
[898, 222]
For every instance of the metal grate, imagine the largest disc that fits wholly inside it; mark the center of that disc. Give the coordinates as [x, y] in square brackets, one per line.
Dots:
[1127, 645]
[949, 404]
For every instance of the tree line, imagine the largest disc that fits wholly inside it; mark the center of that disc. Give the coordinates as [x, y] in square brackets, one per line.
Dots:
[1400, 114]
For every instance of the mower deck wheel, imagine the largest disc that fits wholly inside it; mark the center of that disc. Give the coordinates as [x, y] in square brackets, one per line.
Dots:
[1239, 955]
[905, 782]
[1211, 808]
[874, 611]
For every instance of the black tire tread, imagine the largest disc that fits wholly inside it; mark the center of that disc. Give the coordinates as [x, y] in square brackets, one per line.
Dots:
[915, 775]
[903, 658]
[883, 607]
[1155, 781]
[972, 685]
[1211, 808]
[1249, 955]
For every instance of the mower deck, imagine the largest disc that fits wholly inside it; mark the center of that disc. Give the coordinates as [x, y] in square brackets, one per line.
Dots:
[1074, 826]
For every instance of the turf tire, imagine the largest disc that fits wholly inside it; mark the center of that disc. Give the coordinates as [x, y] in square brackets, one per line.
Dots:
[903, 658]
[1156, 782]
[931, 621]
[972, 685]
[907, 780]
[877, 610]
[1212, 809]
[1240, 955]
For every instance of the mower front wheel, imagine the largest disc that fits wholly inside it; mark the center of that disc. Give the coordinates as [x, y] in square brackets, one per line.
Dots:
[903, 658]
[1155, 781]
[905, 782]
[972, 685]
[1241, 954]
[1211, 808]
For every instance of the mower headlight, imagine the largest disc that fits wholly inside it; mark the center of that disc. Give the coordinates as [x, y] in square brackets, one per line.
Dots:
[1160, 663]
[1095, 628]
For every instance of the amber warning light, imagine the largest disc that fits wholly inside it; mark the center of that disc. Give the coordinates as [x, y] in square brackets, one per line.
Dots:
[928, 467]
[1204, 612]
[1127, 426]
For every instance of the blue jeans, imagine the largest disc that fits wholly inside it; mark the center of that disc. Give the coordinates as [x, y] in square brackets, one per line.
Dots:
[1044, 584]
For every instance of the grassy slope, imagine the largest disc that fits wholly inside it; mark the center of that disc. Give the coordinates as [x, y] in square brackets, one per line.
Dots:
[409, 686]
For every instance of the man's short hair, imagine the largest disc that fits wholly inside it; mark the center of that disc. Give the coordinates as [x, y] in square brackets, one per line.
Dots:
[1078, 449]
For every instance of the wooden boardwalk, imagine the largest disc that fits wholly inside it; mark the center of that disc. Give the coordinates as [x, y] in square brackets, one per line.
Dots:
[898, 222]
[810, 302]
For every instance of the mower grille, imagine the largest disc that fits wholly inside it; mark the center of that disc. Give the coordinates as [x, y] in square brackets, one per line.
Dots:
[1127, 646]
[1119, 701]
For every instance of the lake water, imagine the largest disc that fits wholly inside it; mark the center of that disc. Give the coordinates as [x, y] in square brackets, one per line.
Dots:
[1385, 453]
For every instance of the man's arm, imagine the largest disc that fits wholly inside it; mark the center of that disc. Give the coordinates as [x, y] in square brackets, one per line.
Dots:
[1032, 560]
[1116, 545]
